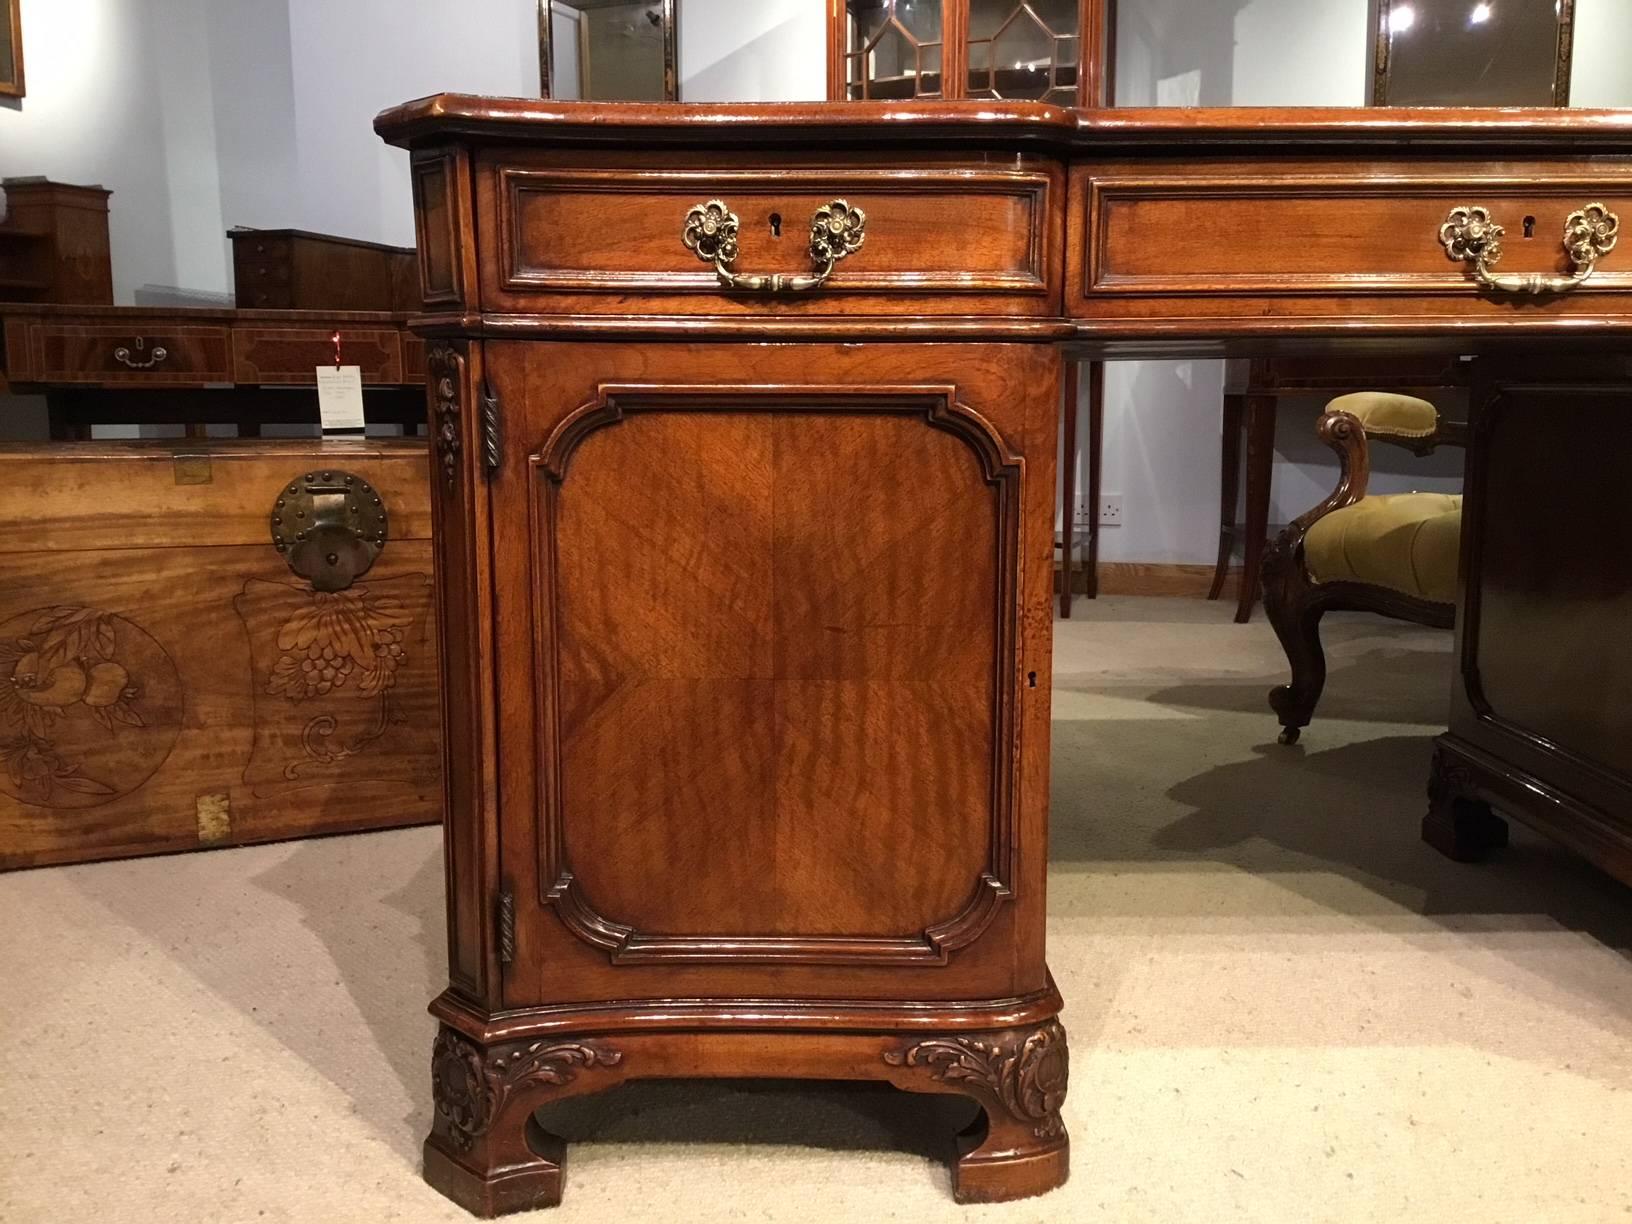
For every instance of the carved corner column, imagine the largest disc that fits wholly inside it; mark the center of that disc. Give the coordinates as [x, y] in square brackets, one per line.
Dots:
[1018, 1146]
[464, 432]
[485, 1151]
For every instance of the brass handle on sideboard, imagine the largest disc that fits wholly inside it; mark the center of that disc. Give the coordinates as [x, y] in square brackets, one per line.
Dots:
[1469, 235]
[836, 230]
[123, 357]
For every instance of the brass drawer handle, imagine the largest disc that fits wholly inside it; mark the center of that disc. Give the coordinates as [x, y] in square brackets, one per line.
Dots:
[123, 357]
[836, 230]
[1470, 235]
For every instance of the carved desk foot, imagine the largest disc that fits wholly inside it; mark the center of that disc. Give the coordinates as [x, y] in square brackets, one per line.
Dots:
[488, 1153]
[1017, 1147]
[485, 1151]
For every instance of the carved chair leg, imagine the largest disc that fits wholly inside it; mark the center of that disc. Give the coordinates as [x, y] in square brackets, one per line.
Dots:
[485, 1151]
[1295, 617]
[1459, 825]
[1017, 1147]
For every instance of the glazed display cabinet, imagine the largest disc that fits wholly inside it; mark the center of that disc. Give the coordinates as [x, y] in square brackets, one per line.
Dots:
[1038, 50]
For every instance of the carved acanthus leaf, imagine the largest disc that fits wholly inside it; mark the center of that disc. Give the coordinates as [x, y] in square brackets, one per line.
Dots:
[1026, 1070]
[469, 1093]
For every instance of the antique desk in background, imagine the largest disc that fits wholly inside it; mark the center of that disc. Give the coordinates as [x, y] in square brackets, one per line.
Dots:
[142, 365]
[744, 427]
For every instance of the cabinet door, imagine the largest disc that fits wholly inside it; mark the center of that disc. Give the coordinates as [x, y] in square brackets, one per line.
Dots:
[1545, 659]
[773, 643]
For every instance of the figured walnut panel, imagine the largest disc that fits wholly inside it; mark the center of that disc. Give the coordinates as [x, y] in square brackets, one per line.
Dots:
[777, 677]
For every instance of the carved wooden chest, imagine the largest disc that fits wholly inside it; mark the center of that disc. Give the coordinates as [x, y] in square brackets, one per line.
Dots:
[169, 681]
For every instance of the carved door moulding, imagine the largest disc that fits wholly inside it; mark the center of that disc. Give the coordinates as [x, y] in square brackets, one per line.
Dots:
[1000, 468]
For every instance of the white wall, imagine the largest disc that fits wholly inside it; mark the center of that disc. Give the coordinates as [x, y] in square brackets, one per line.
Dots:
[764, 51]
[1601, 71]
[99, 110]
[206, 114]
[352, 60]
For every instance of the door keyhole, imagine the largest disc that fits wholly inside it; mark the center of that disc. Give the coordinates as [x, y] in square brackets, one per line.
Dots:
[776, 225]
[1529, 227]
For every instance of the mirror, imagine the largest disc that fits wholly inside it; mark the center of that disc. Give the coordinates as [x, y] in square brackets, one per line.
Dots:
[608, 50]
[11, 48]
[1472, 52]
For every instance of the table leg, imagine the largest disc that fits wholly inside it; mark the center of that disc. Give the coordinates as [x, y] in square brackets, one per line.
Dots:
[1260, 468]
[1229, 487]
[63, 421]
[1068, 486]
[1096, 451]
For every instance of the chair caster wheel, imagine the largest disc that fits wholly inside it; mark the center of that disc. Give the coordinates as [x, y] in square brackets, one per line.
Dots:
[1289, 735]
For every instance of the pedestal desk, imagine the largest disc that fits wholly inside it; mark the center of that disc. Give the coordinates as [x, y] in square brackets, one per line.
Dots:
[744, 427]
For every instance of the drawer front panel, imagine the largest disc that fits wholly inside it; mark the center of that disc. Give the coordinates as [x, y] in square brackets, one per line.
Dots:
[261, 273]
[1327, 239]
[289, 355]
[66, 352]
[952, 240]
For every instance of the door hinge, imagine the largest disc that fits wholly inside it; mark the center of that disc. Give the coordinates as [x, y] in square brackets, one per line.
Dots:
[507, 927]
[492, 438]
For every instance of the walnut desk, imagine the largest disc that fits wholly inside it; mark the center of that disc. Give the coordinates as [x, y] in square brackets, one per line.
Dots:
[744, 427]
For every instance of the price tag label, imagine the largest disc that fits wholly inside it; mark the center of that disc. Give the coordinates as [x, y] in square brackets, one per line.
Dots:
[340, 398]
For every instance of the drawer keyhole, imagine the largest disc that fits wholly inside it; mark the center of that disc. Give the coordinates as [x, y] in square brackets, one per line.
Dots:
[776, 225]
[1529, 227]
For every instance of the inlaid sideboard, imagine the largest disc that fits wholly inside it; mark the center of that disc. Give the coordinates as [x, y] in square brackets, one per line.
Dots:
[156, 365]
[744, 427]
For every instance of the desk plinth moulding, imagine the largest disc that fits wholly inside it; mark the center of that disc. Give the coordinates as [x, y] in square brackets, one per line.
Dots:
[744, 429]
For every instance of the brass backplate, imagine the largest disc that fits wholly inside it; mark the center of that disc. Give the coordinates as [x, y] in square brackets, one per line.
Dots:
[329, 526]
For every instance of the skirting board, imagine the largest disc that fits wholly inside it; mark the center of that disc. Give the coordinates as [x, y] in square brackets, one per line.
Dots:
[1149, 578]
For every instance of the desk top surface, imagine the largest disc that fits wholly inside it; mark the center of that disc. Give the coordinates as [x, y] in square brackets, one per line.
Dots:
[1003, 124]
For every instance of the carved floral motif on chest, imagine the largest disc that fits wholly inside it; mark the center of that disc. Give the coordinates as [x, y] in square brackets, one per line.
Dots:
[90, 706]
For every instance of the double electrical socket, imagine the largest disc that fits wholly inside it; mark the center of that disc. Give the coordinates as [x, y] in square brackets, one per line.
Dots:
[1110, 510]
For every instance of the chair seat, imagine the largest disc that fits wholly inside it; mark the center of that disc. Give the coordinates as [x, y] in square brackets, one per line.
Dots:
[1407, 542]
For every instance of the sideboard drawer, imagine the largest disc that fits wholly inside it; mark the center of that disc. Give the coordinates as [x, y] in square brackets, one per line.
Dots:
[1333, 238]
[955, 238]
[269, 355]
[96, 353]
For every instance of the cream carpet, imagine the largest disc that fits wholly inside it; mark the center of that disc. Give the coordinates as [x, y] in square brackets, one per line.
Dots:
[1282, 1006]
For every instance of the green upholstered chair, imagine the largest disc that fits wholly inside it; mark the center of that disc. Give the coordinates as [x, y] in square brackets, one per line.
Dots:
[1394, 554]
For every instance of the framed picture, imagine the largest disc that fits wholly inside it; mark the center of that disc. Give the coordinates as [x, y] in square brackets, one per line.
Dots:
[1472, 52]
[11, 48]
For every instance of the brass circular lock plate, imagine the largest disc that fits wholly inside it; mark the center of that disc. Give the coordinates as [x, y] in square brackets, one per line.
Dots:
[329, 525]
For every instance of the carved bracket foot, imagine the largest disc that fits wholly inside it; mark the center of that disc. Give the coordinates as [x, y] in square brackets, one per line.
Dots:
[485, 1151]
[1018, 1146]
[1458, 824]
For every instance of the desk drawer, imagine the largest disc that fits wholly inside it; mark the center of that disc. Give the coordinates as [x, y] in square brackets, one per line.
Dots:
[1331, 238]
[272, 355]
[965, 239]
[99, 353]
